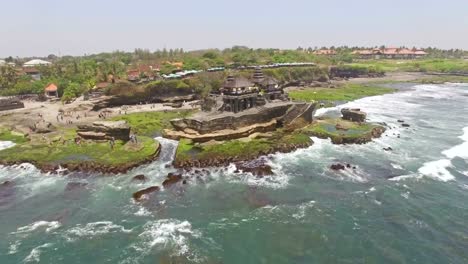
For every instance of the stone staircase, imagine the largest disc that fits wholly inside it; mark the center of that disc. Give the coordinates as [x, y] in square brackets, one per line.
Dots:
[298, 111]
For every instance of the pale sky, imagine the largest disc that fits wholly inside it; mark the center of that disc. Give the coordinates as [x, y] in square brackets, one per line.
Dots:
[77, 27]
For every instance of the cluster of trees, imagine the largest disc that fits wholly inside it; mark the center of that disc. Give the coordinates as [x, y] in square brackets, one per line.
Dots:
[75, 75]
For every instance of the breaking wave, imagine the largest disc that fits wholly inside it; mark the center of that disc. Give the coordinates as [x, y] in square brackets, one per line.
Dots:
[35, 254]
[94, 229]
[39, 225]
[459, 150]
[437, 170]
[167, 235]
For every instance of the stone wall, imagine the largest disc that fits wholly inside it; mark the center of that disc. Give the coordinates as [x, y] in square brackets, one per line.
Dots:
[10, 104]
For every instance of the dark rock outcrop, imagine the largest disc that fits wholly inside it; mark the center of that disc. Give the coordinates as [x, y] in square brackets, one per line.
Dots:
[257, 167]
[140, 178]
[10, 104]
[139, 194]
[355, 114]
[43, 127]
[71, 186]
[7, 192]
[117, 129]
[337, 167]
[171, 179]
[405, 125]
[174, 104]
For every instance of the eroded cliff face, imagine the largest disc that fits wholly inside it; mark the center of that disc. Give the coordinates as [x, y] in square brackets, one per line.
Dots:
[104, 130]
[231, 126]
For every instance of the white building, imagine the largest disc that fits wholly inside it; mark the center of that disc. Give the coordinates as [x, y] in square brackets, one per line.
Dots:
[2, 63]
[36, 62]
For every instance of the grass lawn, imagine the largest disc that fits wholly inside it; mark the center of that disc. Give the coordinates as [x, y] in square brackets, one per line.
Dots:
[423, 65]
[7, 135]
[347, 92]
[152, 123]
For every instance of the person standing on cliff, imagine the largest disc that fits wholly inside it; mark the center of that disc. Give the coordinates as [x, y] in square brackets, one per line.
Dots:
[112, 142]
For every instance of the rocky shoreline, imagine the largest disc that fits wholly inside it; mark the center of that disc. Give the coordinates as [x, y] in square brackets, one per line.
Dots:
[86, 166]
[225, 161]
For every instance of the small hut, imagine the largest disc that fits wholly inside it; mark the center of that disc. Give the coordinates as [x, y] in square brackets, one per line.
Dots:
[51, 90]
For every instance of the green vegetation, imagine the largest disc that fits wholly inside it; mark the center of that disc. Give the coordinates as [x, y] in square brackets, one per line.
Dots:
[346, 92]
[152, 123]
[424, 65]
[54, 151]
[77, 75]
[343, 131]
[16, 137]
[238, 149]
[361, 69]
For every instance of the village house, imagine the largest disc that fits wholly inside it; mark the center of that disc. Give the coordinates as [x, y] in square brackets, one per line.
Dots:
[143, 73]
[30, 68]
[51, 91]
[35, 63]
[389, 53]
[326, 52]
[33, 72]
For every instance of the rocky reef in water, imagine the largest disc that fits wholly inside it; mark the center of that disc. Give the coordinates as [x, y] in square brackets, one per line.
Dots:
[85, 166]
[217, 154]
[350, 129]
[102, 147]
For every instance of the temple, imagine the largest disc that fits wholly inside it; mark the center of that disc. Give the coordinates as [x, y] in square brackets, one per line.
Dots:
[240, 93]
[243, 107]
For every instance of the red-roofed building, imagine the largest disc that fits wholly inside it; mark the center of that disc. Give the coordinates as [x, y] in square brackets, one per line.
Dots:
[389, 53]
[51, 90]
[142, 73]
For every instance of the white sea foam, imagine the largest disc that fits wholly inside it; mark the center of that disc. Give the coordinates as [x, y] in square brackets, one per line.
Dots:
[396, 166]
[35, 254]
[407, 176]
[459, 150]
[39, 225]
[94, 229]
[302, 209]
[437, 170]
[167, 234]
[6, 144]
[142, 211]
[13, 248]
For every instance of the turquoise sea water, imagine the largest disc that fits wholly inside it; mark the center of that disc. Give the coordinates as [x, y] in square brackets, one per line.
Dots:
[409, 205]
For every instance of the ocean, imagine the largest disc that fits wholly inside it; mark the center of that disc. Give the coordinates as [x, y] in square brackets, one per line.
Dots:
[407, 205]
